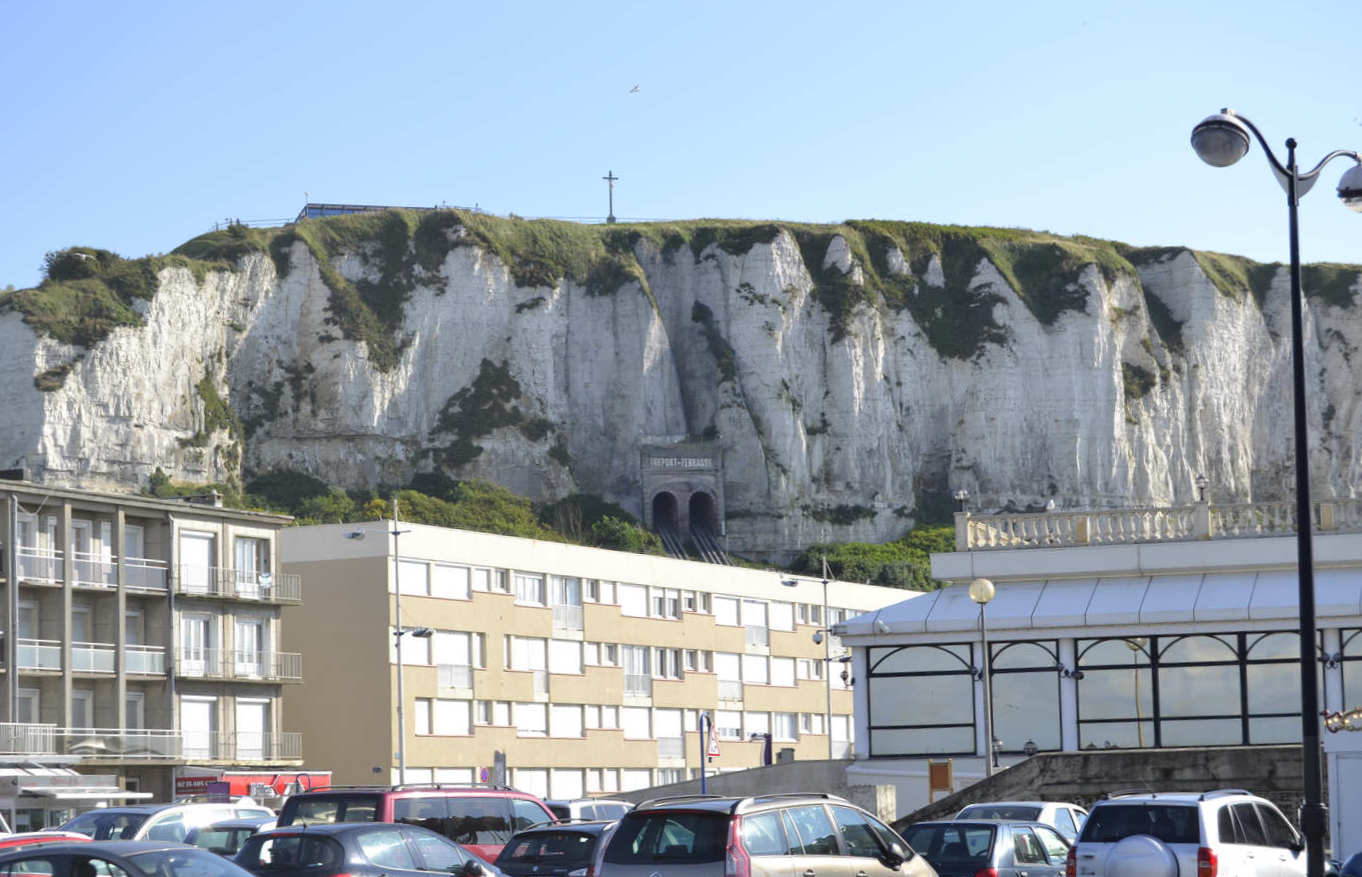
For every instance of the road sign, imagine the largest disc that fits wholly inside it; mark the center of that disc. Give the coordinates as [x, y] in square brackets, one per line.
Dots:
[484, 775]
[712, 750]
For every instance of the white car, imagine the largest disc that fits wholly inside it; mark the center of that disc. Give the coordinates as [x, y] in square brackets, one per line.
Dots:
[1230, 832]
[160, 821]
[1067, 819]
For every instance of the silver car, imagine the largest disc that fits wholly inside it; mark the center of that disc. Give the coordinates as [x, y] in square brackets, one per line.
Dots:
[966, 847]
[795, 835]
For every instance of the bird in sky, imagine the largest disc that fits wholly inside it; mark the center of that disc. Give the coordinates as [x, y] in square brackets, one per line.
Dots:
[634, 90]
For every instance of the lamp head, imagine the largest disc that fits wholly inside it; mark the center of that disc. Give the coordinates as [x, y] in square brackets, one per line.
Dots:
[1350, 188]
[421, 632]
[981, 591]
[1220, 140]
[790, 583]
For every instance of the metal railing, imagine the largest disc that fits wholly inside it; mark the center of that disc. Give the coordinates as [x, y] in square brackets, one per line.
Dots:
[671, 747]
[730, 689]
[144, 574]
[145, 660]
[24, 739]
[455, 675]
[239, 664]
[212, 581]
[758, 635]
[638, 685]
[1172, 524]
[567, 616]
[38, 654]
[93, 570]
[245, 746]
[93, 657]
[40, 564]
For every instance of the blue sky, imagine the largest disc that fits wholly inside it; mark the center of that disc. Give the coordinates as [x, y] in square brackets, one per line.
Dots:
[134, 126]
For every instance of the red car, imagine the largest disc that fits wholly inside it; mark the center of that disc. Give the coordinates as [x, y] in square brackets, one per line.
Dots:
[481, 817]
[40, 837]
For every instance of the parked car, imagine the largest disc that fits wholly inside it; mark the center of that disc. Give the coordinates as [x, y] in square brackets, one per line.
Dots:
[589, 808]
[166, 822]
[1228, 831]
[553, 850]
[966, 847]
[226, 838]
[814, 835]
[28, 838]
[356, 849]
[481, 817]
[1067, 818]
[135, 858]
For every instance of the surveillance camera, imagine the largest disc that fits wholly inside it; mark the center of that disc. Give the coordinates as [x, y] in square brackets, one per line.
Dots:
[881, 626]
[789, 583]
[355, 534]
[818, 637]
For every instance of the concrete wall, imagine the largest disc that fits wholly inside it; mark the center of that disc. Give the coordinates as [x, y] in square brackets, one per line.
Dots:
[790, 777]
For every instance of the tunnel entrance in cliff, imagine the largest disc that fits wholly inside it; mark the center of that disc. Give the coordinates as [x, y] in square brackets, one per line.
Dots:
[683, 498]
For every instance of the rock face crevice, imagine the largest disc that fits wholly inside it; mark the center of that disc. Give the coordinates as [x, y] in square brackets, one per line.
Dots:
[843, 409]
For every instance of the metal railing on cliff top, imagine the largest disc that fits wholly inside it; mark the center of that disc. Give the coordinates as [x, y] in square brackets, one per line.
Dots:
[1128, 526]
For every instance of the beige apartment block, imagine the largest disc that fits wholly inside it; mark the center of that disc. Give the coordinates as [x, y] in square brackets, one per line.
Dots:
[589, 669]
[142, 637]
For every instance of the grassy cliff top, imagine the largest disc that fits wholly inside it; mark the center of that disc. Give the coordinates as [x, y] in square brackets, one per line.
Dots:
[87, 292]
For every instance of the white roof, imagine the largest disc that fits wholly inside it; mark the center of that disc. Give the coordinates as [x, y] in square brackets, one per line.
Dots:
[1196, 599]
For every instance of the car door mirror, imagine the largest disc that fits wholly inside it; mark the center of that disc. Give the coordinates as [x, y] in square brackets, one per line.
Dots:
[896, 855]
[471, 868]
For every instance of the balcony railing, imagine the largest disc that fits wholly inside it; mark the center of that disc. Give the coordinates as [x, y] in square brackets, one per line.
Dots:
[144, 574]
[758, 635]
[245, 665]
[93, 570]
[19, 739]
[730, 689]
[1127, 526]
[671, 747]
[567, 616]
[243, 746]
[233, 584]
[38, 654]
[92, 657]
[39, 564]
[455, 675]
[638, 685]
[146, 660]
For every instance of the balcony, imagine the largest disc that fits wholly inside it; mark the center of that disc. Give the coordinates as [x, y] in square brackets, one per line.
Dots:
[247, 666]
[730, 690]
[19, 739]
[144, 660]
[638, 685]
[247, 746]
[671, 747]
[40, 565]
[567, 616]
[144, 574]
[758, 635]
[234, 584]
[92, 657]
[1129, 526]
[38, 654]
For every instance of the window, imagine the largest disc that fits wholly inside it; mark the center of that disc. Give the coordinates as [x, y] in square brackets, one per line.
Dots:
[450, 582]
[859, 837]
[610, 654]
[252, 560]
[526, 653]
[636, 723]
[531, 719]
[729, 723]
[565, 656]
[386, 849]
[668, 775]
[438, 853]
[607, 592]
[1026, 850]
[591, 716]
[450, 718]
[501, 580]
[610, 716]
[1279, 831]
[726, 611]
[633, 601]
[415, 649]
[667, 664]
[784, 726]
[692, 660]
[811, 723]
[501, 713]
[482, 712]
[420, 717]
[782, 616]
[591, 654]
[817, 833]
[480, 579]
[567, 590]
[802, 612]
[666, 603]
[83, 707]
[688, 601]
[413, 577]
[529, 589]
[754, 670]
[763, 834]
[922, 699]
[758, 724]
[783, 671]
[809, 668]
[565, 720]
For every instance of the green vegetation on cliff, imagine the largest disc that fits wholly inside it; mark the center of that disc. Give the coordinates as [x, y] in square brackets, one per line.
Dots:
[904, 563]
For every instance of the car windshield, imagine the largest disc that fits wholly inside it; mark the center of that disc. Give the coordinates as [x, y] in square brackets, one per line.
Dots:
[475, 819]
[107, 826]
[1000, 811]
[185, 862]
[314, 809]
[669, 836]
[947, 845]
[1170, 823]
[553, 848]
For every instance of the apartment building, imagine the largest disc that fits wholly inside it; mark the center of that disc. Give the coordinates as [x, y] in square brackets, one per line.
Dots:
[589, 669]
[142, 635]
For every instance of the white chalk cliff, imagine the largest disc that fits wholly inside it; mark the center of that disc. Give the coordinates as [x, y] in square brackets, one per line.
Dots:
[840, 414]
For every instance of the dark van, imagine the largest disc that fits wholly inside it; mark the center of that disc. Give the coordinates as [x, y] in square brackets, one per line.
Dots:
[481, 817]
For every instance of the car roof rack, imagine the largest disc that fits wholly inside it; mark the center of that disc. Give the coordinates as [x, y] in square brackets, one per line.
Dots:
[1126, 793]
[1216, 793]
[404, 787]
[566, 822]
[674, 799]
[778, 796]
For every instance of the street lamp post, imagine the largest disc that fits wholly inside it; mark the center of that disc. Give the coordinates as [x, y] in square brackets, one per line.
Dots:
[824, 636]
[1221, 140]
[981, 591]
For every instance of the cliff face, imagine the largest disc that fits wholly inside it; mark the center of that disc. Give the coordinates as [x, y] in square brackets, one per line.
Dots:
[854, 376]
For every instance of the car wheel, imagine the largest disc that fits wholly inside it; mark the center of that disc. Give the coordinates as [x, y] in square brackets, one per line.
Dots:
[1141, 855]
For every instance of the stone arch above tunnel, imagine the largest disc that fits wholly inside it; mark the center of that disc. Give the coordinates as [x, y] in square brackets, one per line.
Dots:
[691, 474]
